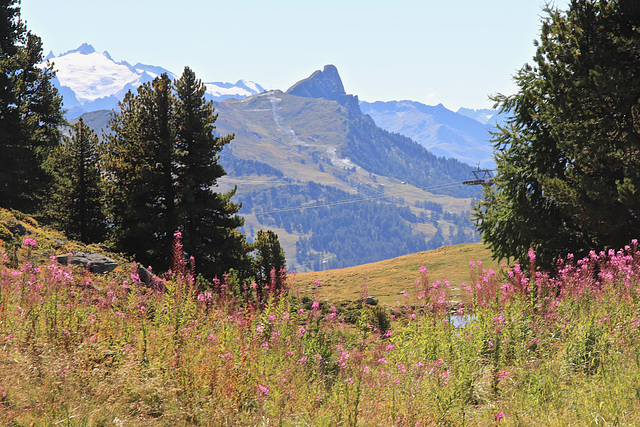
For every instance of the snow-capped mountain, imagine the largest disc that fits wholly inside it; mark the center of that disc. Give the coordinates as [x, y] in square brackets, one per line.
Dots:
[89, 81]
[217, 91]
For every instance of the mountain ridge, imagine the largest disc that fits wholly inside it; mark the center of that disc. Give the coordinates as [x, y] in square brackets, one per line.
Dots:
[440, 130]
[336, 188]
[91, 81]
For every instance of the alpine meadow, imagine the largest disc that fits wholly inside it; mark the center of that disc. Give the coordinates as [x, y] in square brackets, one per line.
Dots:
[180, 252]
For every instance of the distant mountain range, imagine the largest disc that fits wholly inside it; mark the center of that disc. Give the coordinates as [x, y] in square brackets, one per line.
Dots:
[342, 182]
[90, 81]
[484, 116]
[441, 131]
[336, 188]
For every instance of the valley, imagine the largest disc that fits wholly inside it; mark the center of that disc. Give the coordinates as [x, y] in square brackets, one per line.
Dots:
[336, 188]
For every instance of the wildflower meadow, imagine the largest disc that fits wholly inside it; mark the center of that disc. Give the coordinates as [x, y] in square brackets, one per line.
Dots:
[79, 349]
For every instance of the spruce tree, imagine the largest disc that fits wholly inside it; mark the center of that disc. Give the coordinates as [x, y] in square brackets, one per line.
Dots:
[567, 159]
[30, 114]
[75, 204]
[208, 218]
[269, 264]
[161, 169]
[157, 102]
[129, 165]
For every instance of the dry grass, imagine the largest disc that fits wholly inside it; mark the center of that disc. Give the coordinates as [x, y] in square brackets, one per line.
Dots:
[388, 280]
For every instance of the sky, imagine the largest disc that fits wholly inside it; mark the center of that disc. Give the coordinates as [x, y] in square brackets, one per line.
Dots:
[453, 52]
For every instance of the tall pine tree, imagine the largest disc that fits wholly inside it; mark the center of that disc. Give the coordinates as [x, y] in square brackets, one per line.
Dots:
[129, 164]
[567, 159]
[162, 167]
[139, 164]
[209, 219]
[30, 114]
[75, 204]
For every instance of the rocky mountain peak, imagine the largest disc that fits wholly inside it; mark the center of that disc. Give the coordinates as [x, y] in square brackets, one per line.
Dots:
[325, 84]
[83, 49]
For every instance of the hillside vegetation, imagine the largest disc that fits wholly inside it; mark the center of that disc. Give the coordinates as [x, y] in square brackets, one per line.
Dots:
[388, 280]
[82, 349]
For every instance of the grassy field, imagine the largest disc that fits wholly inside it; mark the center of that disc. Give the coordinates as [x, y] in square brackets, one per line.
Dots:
[388, 280]
[78, 349]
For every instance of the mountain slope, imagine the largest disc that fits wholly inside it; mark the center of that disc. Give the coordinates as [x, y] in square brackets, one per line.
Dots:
[442, 131]
[337, 189]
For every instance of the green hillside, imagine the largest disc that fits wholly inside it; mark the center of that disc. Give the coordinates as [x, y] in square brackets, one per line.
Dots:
[388, 280]
[338, 190]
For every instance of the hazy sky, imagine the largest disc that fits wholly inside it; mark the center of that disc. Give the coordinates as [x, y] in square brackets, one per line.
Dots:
[454, 52]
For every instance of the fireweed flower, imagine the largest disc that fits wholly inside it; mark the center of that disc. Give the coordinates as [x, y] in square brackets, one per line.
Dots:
[262, 390]
[503, 374]
[29, 242]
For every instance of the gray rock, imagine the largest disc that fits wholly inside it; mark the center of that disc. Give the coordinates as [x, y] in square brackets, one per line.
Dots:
[18, 229]
[95, 262]
[369, 301]
[150, 280]
[326, 84]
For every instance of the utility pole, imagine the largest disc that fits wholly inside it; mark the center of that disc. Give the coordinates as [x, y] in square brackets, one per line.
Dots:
[483, 177]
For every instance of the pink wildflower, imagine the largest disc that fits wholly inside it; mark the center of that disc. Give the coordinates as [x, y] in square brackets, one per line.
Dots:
[30, 242]
[503, 374]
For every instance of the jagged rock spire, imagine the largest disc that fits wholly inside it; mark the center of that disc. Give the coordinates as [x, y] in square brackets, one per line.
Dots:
[325, 84]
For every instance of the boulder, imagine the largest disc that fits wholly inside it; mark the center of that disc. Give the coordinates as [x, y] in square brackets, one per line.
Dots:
[369, 301]
[150, 280]
[17, 229]
[95, 262]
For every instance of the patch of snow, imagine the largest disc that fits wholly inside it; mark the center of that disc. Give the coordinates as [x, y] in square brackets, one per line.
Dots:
[92, 76]
[217, 90]
[254, 87]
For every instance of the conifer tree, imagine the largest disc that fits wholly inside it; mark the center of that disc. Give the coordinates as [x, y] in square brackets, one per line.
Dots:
[208, 218]
[162, 166]
[129, 162]
[75, 204]
[269, 264]
[158, 130]
[30, 114]
[567, 159]
[139, 164]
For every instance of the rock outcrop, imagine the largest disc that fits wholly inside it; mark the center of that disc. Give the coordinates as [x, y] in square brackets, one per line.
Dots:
[326, 84]
[95, 262]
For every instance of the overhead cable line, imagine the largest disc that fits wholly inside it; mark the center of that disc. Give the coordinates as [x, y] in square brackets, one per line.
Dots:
[354, 200]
